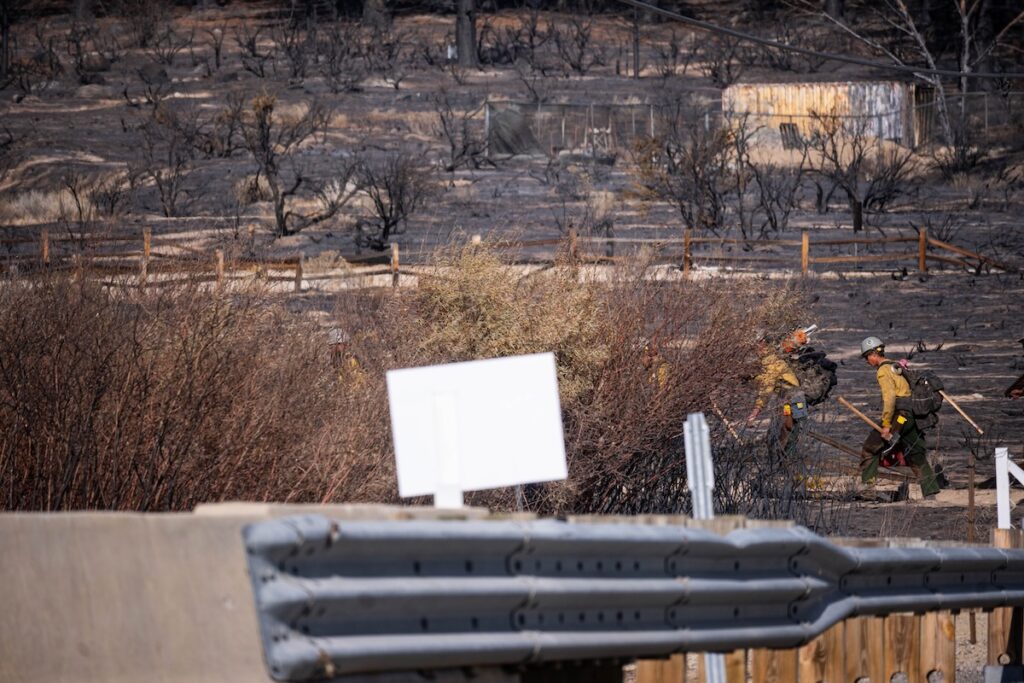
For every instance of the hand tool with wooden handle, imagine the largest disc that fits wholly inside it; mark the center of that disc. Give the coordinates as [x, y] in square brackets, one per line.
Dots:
[960, 410]
[871, 423]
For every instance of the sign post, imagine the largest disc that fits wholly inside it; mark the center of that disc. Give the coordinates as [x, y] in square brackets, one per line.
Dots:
[476, 425]
[700, 479]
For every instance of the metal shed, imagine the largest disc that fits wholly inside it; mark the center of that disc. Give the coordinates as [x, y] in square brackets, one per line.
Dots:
[779, 112]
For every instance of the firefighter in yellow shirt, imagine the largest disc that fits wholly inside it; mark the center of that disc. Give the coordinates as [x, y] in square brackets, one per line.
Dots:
[897, 421]
[777, 378]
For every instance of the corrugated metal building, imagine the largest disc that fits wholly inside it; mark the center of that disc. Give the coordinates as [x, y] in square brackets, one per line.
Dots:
[780, 112]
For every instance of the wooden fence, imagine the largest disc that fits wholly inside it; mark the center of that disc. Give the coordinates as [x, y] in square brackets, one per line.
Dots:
[864, 648]
[147, 262]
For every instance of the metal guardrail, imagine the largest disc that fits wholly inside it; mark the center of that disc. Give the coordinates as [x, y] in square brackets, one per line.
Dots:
[357, 597]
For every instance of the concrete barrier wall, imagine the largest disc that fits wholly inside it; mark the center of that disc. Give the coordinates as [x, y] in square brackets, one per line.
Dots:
[98, 597]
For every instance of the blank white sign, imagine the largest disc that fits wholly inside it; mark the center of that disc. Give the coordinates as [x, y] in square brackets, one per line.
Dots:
[477, 425]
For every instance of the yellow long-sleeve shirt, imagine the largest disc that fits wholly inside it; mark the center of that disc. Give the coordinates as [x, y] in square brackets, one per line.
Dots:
[775, 374]
[893, 385]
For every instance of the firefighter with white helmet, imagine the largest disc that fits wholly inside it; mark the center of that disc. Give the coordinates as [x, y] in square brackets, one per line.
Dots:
[900, 433]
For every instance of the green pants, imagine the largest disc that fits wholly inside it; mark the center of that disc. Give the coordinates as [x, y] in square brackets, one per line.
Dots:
[914, 450]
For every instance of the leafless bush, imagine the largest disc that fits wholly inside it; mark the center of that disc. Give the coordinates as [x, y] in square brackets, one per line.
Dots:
[535, 80]
[673, 56]
[156, 84]
[251, 189]
[91, 51]
[119, 400]
[962, 154]
[722, 60]
[112, 194]
[216, 36]
[534, 33]
[221, 134]
[396, 186]
[165, 157]
[388, 55]
[784, 30]
[779, 190]
[143, 19]
[461, 131]
[870, 173]
[494, 46]
[255, 56]
[947, 230]
[273, 140]
[298, 47]
[167, 42]
[690, 168]
[78, 216]
[574, 42]
[36, 70]
[342, 62]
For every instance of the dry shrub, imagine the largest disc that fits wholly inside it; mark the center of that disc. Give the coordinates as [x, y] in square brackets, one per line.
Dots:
[634, 354]
[252, 188]
[37, 206]
[165, 399]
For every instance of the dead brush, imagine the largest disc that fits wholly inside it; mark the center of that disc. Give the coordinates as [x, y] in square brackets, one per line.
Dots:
[634, 356]
[162, 400]
[118, 399]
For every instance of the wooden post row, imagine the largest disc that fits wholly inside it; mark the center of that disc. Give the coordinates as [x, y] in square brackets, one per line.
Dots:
[1006, 624]
[44, 247]
[873, 648]
[394, 264]
[805, 253]
[220, 266]
[687, 255]
[922, 250]
[147, 244]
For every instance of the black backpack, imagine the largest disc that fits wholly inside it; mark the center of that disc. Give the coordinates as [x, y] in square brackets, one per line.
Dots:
[817, 375]
[925, 394]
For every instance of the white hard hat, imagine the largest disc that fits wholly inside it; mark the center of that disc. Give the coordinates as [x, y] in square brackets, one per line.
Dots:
[336, 335]
[871, 344]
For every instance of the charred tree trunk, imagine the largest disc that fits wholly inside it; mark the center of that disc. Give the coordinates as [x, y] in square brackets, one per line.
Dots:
[857, 209]
[465, 32]
[376, 14]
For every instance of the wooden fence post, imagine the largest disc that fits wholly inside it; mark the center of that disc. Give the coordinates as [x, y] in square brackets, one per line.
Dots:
[922, 250]
[1006, 624]
[805, 253]
[686, 252]
[394, 264]
[44, 247]
[147, 243]
[220, 266]
[298, 273]
[475, 239]
[573, 245]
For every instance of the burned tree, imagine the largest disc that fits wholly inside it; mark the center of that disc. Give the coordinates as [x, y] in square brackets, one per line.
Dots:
[396, 186]
[870, 172]
[274, 140]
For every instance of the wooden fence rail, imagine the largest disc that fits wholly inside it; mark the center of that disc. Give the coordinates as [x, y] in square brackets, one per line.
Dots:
[919, 646]
[151, 261]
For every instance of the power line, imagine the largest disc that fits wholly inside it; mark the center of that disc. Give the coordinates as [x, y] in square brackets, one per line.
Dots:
[832, 56]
